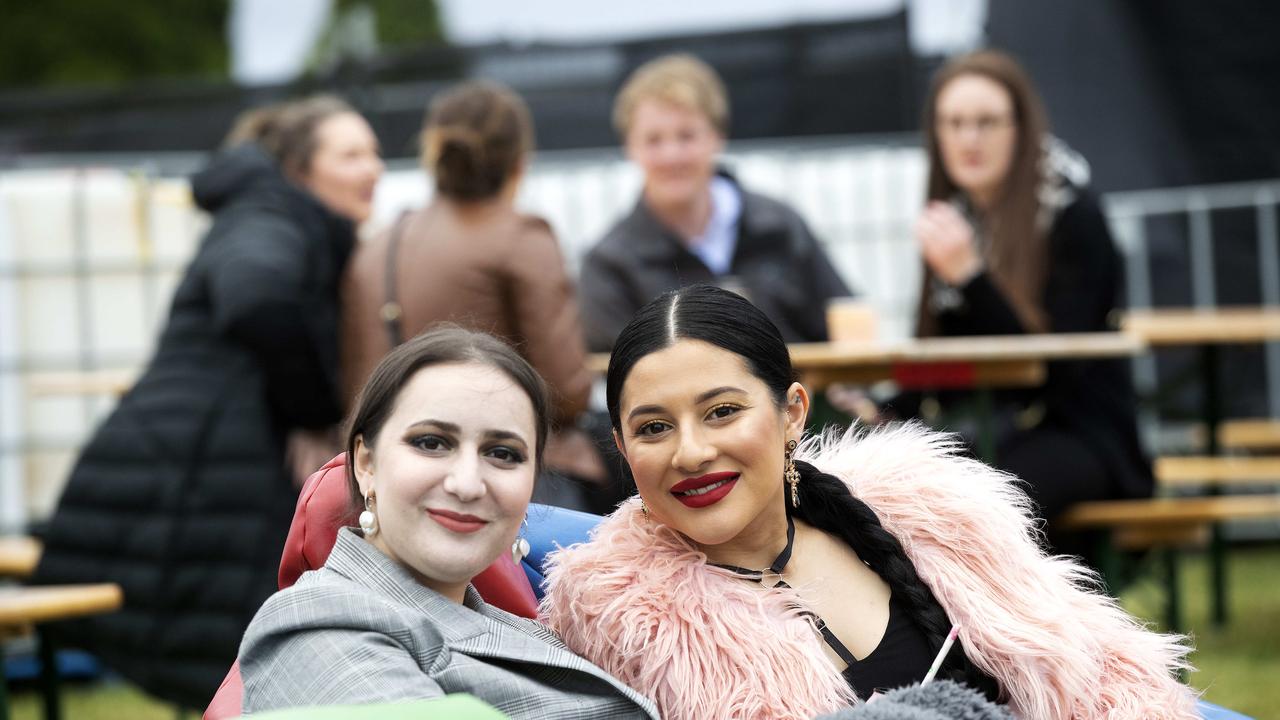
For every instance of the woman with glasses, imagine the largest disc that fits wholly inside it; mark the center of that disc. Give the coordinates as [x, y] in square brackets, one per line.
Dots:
[1013, 242]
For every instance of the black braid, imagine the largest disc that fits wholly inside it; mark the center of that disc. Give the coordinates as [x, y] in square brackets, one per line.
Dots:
[827, 504]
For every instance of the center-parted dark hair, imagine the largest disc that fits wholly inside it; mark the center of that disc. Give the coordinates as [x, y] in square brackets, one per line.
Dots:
[730, 322]
[444, 345]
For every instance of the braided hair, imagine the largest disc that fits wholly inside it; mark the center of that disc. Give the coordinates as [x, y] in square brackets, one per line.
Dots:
[728, 321]
[827, 504]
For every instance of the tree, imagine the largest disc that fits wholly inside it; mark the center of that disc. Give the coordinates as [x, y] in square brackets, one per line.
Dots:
[74, 42]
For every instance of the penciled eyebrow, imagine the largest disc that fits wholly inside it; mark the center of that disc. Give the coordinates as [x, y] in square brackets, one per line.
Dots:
[454, 429]
[701, 398]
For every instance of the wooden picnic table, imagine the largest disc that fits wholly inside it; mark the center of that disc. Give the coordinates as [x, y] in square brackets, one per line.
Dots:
[18, 556]
[90, 382]
[1207, 329]
[979, 363]
[22, 608]
[952, 362]
[1204, 326]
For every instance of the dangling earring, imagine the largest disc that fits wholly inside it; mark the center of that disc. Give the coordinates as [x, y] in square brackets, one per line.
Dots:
[520, 548]
[644, 509]
[369, 521]
[792, 475]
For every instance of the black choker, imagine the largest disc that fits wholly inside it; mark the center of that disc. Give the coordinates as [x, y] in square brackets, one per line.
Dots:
[779, 564]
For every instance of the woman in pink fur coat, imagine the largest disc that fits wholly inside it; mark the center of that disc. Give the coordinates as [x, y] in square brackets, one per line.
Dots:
[756, 576]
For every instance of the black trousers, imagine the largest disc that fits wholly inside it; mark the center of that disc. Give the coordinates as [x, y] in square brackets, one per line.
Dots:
[1060, 469]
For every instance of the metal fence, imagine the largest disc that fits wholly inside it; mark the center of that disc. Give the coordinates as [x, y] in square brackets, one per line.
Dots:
[90, 253]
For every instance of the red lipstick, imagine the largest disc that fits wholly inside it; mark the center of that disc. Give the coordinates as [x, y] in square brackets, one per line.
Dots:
[457, 522]
[706, 490]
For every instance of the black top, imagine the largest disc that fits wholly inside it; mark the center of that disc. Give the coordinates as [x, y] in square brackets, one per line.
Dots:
[1093, 399]
[902, 658]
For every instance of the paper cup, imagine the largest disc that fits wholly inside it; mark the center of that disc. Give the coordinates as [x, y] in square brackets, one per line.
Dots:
[850, 320]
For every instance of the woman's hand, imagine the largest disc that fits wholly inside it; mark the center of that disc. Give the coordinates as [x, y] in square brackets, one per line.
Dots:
[947, 244]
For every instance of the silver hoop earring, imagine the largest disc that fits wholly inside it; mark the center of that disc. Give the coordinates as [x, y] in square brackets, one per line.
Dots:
[369, 521]
[520, 548]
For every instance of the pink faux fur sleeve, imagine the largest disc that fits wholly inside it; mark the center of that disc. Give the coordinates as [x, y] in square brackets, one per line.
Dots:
[640, 601]
[1058, 647]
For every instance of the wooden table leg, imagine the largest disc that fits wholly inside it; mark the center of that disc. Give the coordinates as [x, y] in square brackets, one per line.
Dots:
[1209, 357]
[4, 692]
[1173, 591]
[49, 676]
[986, 425]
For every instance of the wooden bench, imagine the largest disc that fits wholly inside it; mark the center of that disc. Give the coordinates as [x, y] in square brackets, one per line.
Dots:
[1168, 524]
[1207, 470]
[1249, 434]
[25, 608]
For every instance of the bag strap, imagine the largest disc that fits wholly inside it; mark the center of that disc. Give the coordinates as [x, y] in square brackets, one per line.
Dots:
[392, 313]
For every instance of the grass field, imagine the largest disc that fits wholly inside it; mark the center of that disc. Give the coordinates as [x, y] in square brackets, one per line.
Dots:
[1236, 667]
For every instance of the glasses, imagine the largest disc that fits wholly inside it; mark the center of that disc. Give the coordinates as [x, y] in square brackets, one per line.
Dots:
[983, 125]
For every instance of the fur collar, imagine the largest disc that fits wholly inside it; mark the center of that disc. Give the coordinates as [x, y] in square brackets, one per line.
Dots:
[640, 601]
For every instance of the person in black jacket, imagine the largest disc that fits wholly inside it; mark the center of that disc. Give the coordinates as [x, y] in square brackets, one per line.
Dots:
[1014, 242]
[694, 222]
[183, 496]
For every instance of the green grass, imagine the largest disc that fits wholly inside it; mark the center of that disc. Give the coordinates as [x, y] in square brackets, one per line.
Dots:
[1237, 667]
[97, 701]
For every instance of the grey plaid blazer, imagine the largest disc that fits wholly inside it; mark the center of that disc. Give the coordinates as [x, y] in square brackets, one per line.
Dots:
[362, 630]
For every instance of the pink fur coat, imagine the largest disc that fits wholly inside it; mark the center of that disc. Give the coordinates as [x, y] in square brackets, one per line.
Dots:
[640, 601]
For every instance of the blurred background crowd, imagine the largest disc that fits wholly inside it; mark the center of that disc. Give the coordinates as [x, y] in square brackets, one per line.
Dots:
[143, 272]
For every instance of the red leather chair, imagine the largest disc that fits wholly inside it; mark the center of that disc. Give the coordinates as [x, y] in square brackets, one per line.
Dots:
[323, 508]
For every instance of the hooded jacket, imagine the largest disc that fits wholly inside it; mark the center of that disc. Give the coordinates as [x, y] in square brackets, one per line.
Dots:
[181, 496]
[640, 601]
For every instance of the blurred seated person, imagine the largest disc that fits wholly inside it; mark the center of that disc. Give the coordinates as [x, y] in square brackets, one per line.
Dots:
[1014, 242]
[471, 258]
[693, 221]
[444, 446]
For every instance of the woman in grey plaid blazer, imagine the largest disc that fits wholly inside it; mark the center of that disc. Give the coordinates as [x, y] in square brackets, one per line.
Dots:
[445, 444]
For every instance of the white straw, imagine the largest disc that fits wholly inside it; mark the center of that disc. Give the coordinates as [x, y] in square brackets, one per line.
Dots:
[942, 655]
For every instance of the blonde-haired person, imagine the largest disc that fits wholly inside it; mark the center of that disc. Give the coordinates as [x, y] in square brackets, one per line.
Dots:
[182, 495]
[1014, 242]
[471, 257]
[694, 222]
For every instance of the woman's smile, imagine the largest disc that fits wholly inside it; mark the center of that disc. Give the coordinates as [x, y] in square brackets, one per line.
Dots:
[457, 522]
[705, 490]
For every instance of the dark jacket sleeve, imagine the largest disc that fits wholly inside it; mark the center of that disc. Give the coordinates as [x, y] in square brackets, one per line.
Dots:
[265, 297]
[1080, 290]
[607, 303]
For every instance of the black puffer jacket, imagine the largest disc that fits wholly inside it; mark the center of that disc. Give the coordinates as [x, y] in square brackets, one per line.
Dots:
[182, 496]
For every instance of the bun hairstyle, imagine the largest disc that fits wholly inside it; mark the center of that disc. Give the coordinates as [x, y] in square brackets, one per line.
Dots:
[476, 137]
[286, 131]
[730, 322]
